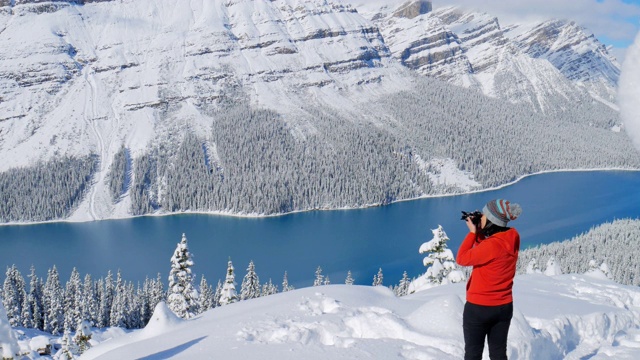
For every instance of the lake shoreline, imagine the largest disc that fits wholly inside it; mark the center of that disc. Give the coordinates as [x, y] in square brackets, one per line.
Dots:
[363, 241]
[367, 206]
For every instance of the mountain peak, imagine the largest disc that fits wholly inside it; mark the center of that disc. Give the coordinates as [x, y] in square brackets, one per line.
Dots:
[471, 49]
[413, 8]
[573, 50]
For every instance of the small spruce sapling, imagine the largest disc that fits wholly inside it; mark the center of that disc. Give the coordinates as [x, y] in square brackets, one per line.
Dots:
[229, 294]
[378, 278]
[250, 288]
[319, 277]
[440, 263]
[349, 280]
[82, 336]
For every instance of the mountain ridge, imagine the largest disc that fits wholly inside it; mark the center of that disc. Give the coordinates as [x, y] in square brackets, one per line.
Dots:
[149, 78]
[467, 48]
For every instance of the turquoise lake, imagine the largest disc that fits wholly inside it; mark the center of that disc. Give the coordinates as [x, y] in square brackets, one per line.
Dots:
[556, 206]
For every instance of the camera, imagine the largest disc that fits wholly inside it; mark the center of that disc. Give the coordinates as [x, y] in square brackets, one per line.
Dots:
[475, 217]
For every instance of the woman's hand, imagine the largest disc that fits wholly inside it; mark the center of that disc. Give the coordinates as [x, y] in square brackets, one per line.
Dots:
[472, 227]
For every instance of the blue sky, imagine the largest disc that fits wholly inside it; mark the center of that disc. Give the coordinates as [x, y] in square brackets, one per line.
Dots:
[614, 22]
[632, 19]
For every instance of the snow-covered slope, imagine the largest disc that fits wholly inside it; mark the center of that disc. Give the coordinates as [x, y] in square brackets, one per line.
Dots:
[531, 63]
[135, 77]
[559, 317]
[89, 78]
[92, 77]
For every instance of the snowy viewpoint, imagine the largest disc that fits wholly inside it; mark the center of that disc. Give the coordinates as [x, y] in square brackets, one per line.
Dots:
[582, 316]
[556, 317]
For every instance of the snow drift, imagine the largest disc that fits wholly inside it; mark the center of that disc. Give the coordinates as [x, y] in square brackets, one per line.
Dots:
[555, 317]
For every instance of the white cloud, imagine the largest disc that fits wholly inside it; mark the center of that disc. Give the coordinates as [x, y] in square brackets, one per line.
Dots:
[619, 54]
[629, 92]
[612, 21]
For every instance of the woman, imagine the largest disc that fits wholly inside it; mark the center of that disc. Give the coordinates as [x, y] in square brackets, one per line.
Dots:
[492, 249]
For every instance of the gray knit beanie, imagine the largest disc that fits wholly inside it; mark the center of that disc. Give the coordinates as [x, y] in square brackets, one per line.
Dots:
[501, 211]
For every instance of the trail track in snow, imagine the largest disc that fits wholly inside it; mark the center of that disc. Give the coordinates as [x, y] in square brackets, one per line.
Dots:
[91, 117]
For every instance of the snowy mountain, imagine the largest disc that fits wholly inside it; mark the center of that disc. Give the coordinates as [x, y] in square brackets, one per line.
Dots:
[99, 74]
[119, 108]
[532, 63]
[555, 317]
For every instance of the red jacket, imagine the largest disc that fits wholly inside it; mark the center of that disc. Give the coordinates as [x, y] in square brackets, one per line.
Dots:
[494, 266]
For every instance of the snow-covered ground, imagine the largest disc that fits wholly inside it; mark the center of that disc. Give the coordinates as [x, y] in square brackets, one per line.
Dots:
[556, 317]
[559, 317]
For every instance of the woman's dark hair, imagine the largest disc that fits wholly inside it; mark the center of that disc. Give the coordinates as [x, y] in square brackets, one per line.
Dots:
[491, 229]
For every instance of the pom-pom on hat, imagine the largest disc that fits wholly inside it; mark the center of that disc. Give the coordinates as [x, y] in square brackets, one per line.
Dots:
[501, 211]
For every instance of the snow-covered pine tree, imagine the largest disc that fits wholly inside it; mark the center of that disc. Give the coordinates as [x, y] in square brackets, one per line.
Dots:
[27, 315]
[106, 301]
[326, 280]
[250, 288]
[604, 267]
[394, 289]
[217, 294]
[228, 294]
[285, 283]
[349, 280]
[132, 310]
[182, 297]
[403, 287]
[205, 301]
[532, 267]
[118, 306]
[269, 288]
[319, 277]
[118, 316]
[82, 336]
[145, 302]
[67, 350]
[440, 263]
[72, 301]
[157, 292]
[553, 267]
[140, 302]
[35, 299]
[378, 278]
[99, 288]
[9, 348]
[610, 242]
[89, 305]
[13, 295]
[53, 303]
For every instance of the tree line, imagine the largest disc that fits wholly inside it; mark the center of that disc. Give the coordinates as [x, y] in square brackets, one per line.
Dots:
[261, 161]
[49, 306]
[615, 244]
[57, 308]
[46, 191]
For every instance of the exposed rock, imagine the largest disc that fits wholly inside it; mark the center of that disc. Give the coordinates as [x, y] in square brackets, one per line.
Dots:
[572, 49]
[413, 8]
[471, 49]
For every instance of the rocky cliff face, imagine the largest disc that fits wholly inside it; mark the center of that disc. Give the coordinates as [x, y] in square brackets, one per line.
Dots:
[83, 63]
[412, 9]
[541, 62]
[576, 53]
[96, 77]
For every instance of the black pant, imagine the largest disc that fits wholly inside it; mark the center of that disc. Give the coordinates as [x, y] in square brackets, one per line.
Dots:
[491, 322]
